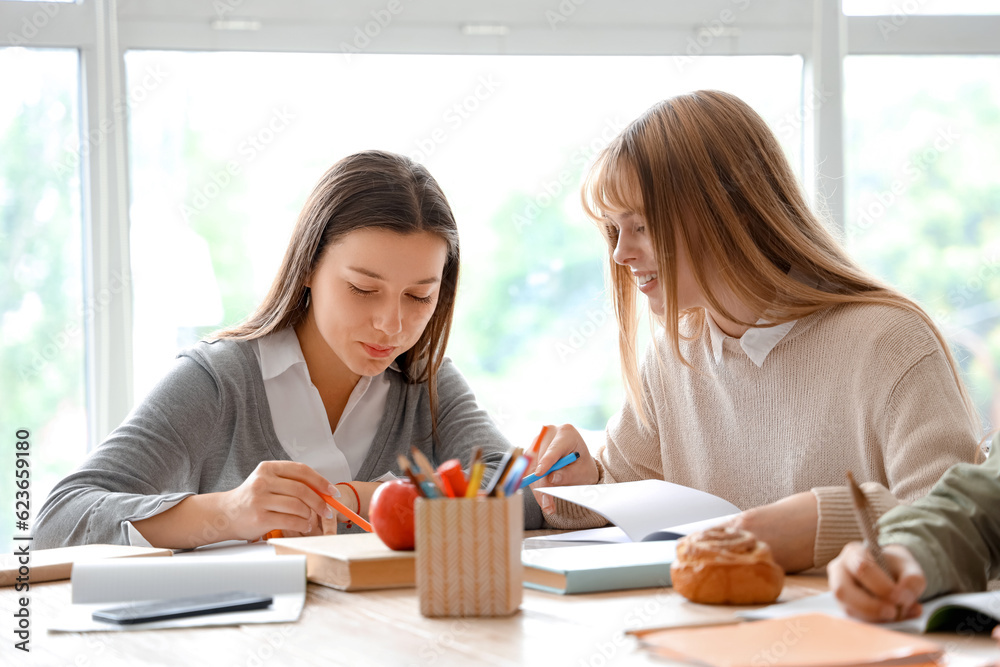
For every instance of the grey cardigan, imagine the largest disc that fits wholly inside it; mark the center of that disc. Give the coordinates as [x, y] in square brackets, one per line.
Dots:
[206, 426]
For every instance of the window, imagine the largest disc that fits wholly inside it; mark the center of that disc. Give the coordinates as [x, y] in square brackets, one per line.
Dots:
[233, 119]
[226, 146]
[42, 310]
[923, 200]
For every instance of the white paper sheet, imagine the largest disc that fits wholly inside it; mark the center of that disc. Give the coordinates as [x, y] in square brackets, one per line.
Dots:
[987, 603]
[643, 507]
[612, 534]
[108, 583]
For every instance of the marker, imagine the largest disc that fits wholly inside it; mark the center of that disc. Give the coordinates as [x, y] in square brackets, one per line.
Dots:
[561, 463]
[452, 478]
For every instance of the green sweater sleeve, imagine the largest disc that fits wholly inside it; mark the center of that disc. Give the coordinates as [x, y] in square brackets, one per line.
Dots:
[954, 531]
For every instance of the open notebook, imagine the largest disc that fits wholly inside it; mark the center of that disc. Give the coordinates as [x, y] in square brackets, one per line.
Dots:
[642, 511]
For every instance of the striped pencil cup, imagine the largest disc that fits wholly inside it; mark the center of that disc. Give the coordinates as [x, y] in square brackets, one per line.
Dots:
[469, 555]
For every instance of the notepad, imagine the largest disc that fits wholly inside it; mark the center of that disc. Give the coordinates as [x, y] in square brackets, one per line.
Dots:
[647, 509]
[810, 640]
[109, 583]
[960, 612]
[601, 567]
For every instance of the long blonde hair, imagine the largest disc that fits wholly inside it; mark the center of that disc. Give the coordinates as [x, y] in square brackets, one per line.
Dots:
[707, 173]
[372, 189]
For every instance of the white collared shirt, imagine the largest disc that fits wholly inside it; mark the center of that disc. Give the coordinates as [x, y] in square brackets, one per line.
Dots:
[300, 420]
[299, 416]
[756, 342]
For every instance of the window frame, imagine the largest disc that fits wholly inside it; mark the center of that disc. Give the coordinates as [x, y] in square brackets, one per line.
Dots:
[104, 30]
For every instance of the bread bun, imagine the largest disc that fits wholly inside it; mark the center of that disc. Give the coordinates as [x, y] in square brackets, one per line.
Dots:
[726, 566]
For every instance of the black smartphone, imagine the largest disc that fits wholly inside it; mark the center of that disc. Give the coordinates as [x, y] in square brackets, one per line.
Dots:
[197, 605]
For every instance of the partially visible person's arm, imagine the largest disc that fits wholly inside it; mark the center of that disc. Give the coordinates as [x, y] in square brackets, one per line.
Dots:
[954, 532]
[278, 495]
[790, 525]
[947, 541]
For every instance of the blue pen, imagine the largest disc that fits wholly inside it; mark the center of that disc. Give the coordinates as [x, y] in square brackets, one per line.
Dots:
[516, 471]
[561, 463]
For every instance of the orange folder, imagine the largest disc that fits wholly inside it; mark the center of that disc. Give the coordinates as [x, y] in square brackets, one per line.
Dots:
[809, 640]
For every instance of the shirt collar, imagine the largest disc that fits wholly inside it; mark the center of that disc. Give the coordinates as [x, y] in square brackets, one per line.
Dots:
[280, 351]
[757, 342]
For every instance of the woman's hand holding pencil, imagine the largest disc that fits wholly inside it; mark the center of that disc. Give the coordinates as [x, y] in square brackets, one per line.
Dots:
[558, 443]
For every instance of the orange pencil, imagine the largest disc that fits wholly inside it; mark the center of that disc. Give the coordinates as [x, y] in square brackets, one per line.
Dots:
[532, 453]
[337, 505]
[343, 509]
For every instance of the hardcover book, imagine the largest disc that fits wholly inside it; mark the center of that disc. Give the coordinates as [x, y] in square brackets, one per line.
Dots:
[354, 562]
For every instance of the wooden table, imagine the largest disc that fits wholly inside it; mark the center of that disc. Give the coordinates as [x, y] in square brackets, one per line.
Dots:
[385, 628]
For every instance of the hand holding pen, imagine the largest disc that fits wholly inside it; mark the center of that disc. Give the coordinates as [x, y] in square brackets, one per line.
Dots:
[875, 583]
[560, 442]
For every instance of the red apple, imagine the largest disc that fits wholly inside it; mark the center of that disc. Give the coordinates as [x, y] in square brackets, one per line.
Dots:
[391, 513]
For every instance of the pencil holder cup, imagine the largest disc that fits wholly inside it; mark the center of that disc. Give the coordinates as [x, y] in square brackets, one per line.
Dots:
[469, 555]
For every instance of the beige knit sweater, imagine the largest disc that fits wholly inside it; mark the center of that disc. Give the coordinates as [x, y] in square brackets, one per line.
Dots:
[864, 388]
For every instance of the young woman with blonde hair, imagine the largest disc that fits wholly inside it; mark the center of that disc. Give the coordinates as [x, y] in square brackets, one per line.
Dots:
[339, 370]
[780, 364]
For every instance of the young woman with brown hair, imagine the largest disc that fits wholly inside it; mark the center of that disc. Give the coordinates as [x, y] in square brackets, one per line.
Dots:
[780, 364]
[339, 370]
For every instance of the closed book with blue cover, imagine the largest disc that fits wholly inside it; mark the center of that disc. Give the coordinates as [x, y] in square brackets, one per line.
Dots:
[599, 567]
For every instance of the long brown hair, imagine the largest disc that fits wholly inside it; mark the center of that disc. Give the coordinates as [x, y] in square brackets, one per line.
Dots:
[372, 189]
[707, 173]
